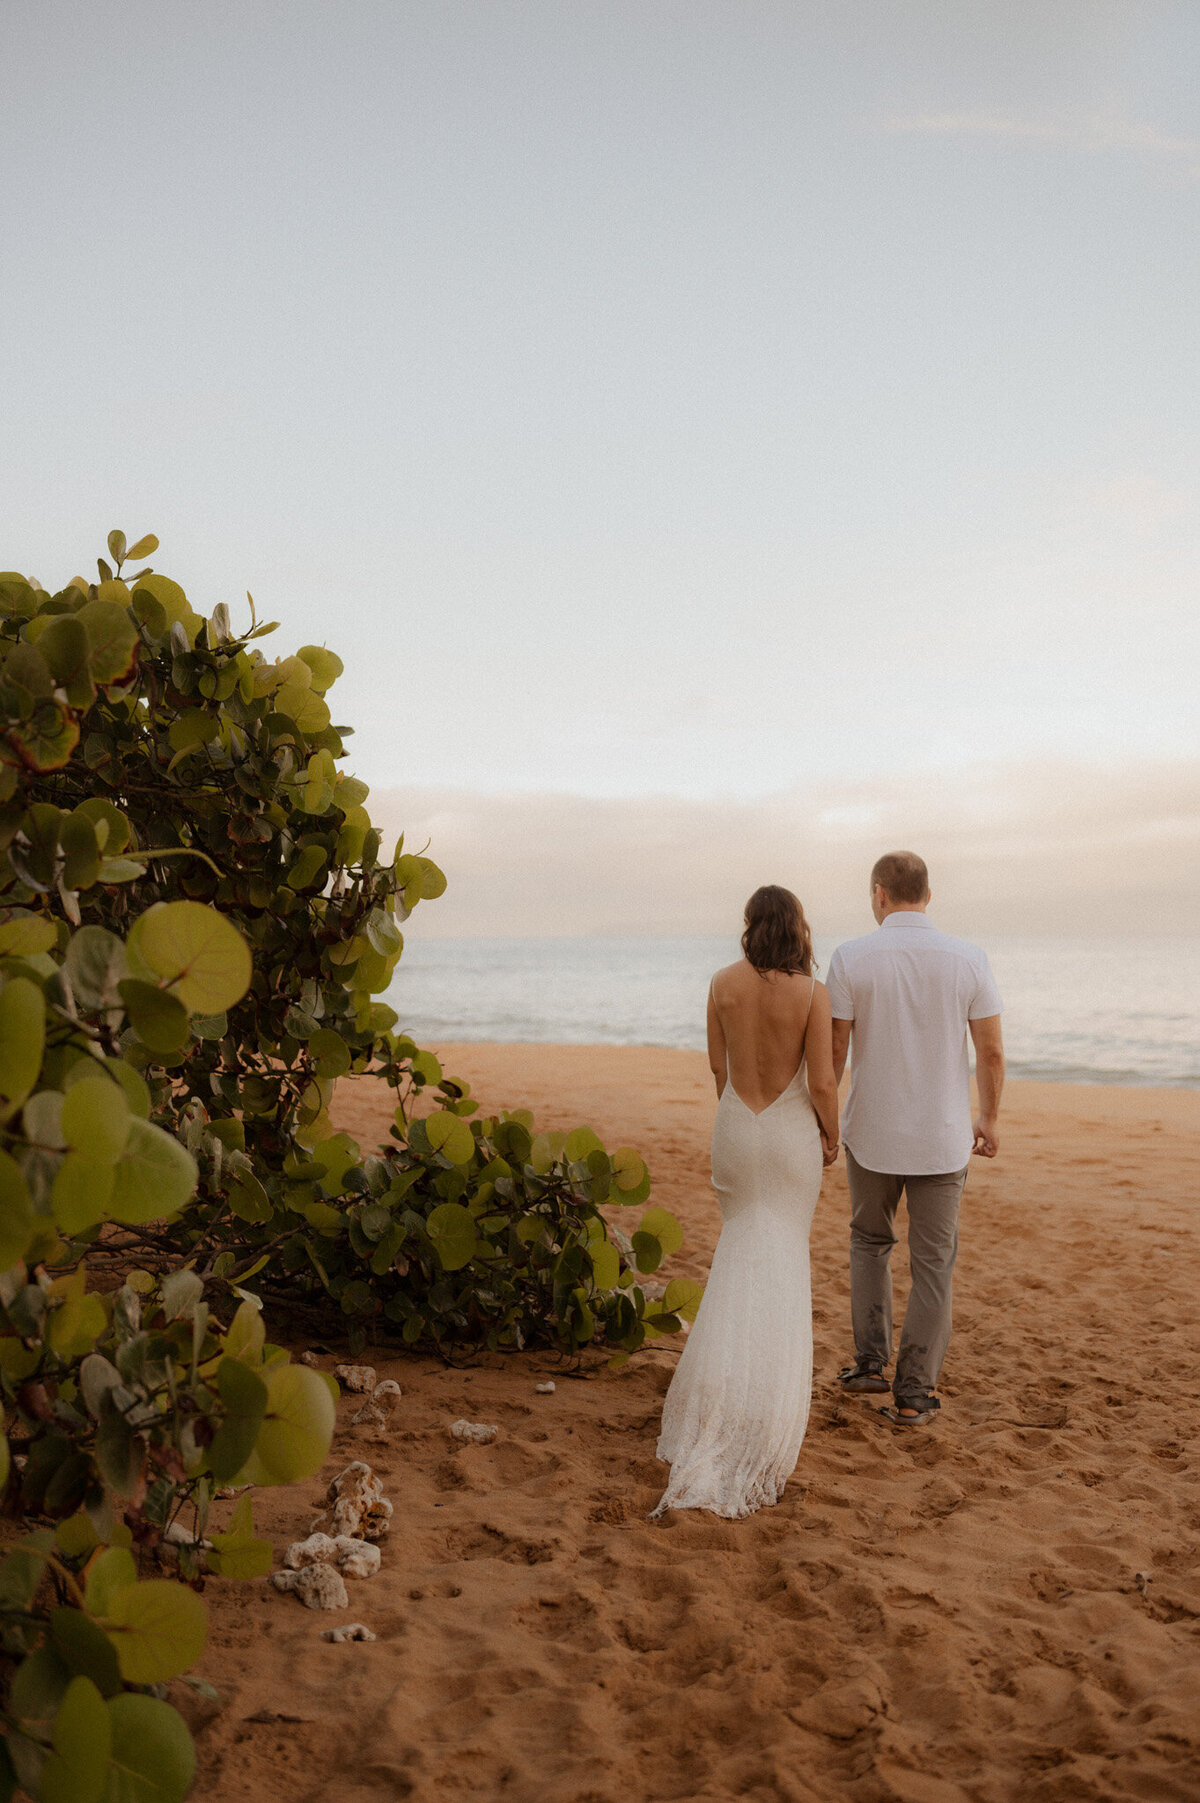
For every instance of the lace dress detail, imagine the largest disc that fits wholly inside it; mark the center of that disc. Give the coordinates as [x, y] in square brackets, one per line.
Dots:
[735, 1414]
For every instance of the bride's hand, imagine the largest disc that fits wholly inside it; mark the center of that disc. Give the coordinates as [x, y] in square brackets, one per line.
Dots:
[829, 1151]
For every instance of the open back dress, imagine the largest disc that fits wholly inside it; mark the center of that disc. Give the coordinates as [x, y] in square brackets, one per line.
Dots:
[735, 1414]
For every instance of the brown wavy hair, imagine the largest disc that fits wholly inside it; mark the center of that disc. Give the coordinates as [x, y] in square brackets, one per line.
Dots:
[777, 936]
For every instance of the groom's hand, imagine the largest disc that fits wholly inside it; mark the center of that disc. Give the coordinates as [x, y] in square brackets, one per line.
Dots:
[987, 1142]
[829, 1150]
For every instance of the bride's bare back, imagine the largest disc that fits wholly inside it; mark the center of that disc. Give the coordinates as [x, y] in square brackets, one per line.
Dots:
[758, 1022]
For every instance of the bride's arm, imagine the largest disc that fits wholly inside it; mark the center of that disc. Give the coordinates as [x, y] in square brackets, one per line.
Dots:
[818, 1051]
[716, 1046]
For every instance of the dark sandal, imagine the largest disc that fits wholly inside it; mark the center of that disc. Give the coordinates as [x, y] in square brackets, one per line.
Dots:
[926, 1409]
[864, 1377]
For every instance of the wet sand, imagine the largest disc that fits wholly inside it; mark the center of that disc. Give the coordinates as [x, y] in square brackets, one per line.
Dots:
[1004, 1606]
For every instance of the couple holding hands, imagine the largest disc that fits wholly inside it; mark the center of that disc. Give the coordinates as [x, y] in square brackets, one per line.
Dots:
[904, 999]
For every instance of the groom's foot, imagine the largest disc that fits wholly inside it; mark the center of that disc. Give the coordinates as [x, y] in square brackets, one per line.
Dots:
[916, 1413]
[864, 1377]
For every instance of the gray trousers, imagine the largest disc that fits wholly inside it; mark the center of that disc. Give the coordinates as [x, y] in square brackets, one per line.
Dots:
[932, 1248]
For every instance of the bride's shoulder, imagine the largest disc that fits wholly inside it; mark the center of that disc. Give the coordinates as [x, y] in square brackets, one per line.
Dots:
[728, 973]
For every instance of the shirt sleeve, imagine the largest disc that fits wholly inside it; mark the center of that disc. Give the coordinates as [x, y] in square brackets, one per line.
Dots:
[986, 1000]
[840, 998]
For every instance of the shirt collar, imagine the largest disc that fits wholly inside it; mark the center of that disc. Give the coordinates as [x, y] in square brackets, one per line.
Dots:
[906, 917]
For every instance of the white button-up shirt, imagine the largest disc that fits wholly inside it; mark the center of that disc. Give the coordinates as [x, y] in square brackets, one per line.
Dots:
[910, 990]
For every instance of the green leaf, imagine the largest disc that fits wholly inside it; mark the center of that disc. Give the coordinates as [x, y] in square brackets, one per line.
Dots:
[159, 1018]
[73, 1328]
[683, 1296]
[175, 606]
[664, 1227]
[648, 1252]
[158, 1628]
[95, 963]
[46, 739]
[84, 1648]
[22, 1038]
[190, 730]
[107, 1575]
[326, 666]
[77, 1768]
[66, 648]
[38, 1687]
[451, 1136]
[311, 865]
[451, 1227]
[606, 1265]
[247, 1197]
[244, 1398]
[82, 1191]
[95, 1119]
[197, 950]
[330, 1053]
[239, 1553]
[629, 1168]
[24, 934]
[101, 812]
[580, 1143]
[153, 1759]
[247, 1335]
[81, 852]
[116, 546]
[155, 1176]
[16, 1215]
[297, 1428]
[112, 639]
[145, 547]
[179, 1294]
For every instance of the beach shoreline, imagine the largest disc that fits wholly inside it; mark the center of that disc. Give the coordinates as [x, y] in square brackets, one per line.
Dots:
[1002, 1605]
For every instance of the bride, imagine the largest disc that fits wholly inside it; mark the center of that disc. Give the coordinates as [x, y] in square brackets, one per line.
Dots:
[736, 1411]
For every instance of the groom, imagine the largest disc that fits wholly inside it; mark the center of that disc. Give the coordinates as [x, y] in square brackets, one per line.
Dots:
[907, 996]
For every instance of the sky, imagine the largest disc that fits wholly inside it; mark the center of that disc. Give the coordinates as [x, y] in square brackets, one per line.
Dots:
[755, 429]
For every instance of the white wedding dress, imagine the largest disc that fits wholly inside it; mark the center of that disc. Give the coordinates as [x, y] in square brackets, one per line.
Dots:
[735, 1414]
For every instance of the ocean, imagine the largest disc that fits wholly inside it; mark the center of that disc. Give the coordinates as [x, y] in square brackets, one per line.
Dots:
[1094, 1010]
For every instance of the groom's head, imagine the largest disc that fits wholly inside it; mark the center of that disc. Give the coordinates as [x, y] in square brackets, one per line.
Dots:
[899, 879]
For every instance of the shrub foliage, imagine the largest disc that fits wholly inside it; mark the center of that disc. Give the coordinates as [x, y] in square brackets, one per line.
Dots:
[196, 928]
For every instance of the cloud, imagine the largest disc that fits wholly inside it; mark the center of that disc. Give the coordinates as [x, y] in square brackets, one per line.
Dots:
[1094, 133]
[1011, 848]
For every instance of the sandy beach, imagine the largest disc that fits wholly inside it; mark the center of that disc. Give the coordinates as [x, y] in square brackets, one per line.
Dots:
[1003, 1606]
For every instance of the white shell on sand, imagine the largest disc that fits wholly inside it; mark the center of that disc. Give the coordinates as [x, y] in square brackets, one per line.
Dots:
[317, 1586]
[546, 1389]
[353, 1630]
[356, 1377]
[476, 1432]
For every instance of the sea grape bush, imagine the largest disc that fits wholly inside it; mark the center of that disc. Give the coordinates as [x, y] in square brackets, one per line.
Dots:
[195, 928]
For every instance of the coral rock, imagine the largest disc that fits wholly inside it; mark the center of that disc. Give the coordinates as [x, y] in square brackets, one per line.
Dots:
[356, 1377]
[358, 1507]
[318, 1549]
[310, 1359]
[474, 1432]
[353, 1630]
[357, 1558]
[377, 1409]
[544, 1389]
[317, 1586]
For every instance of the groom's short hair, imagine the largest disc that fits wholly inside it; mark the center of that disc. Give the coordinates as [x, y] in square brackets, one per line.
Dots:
[903, 875]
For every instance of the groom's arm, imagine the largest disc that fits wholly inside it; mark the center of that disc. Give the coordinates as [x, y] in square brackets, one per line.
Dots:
[989, 1079]
[841, 1047]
